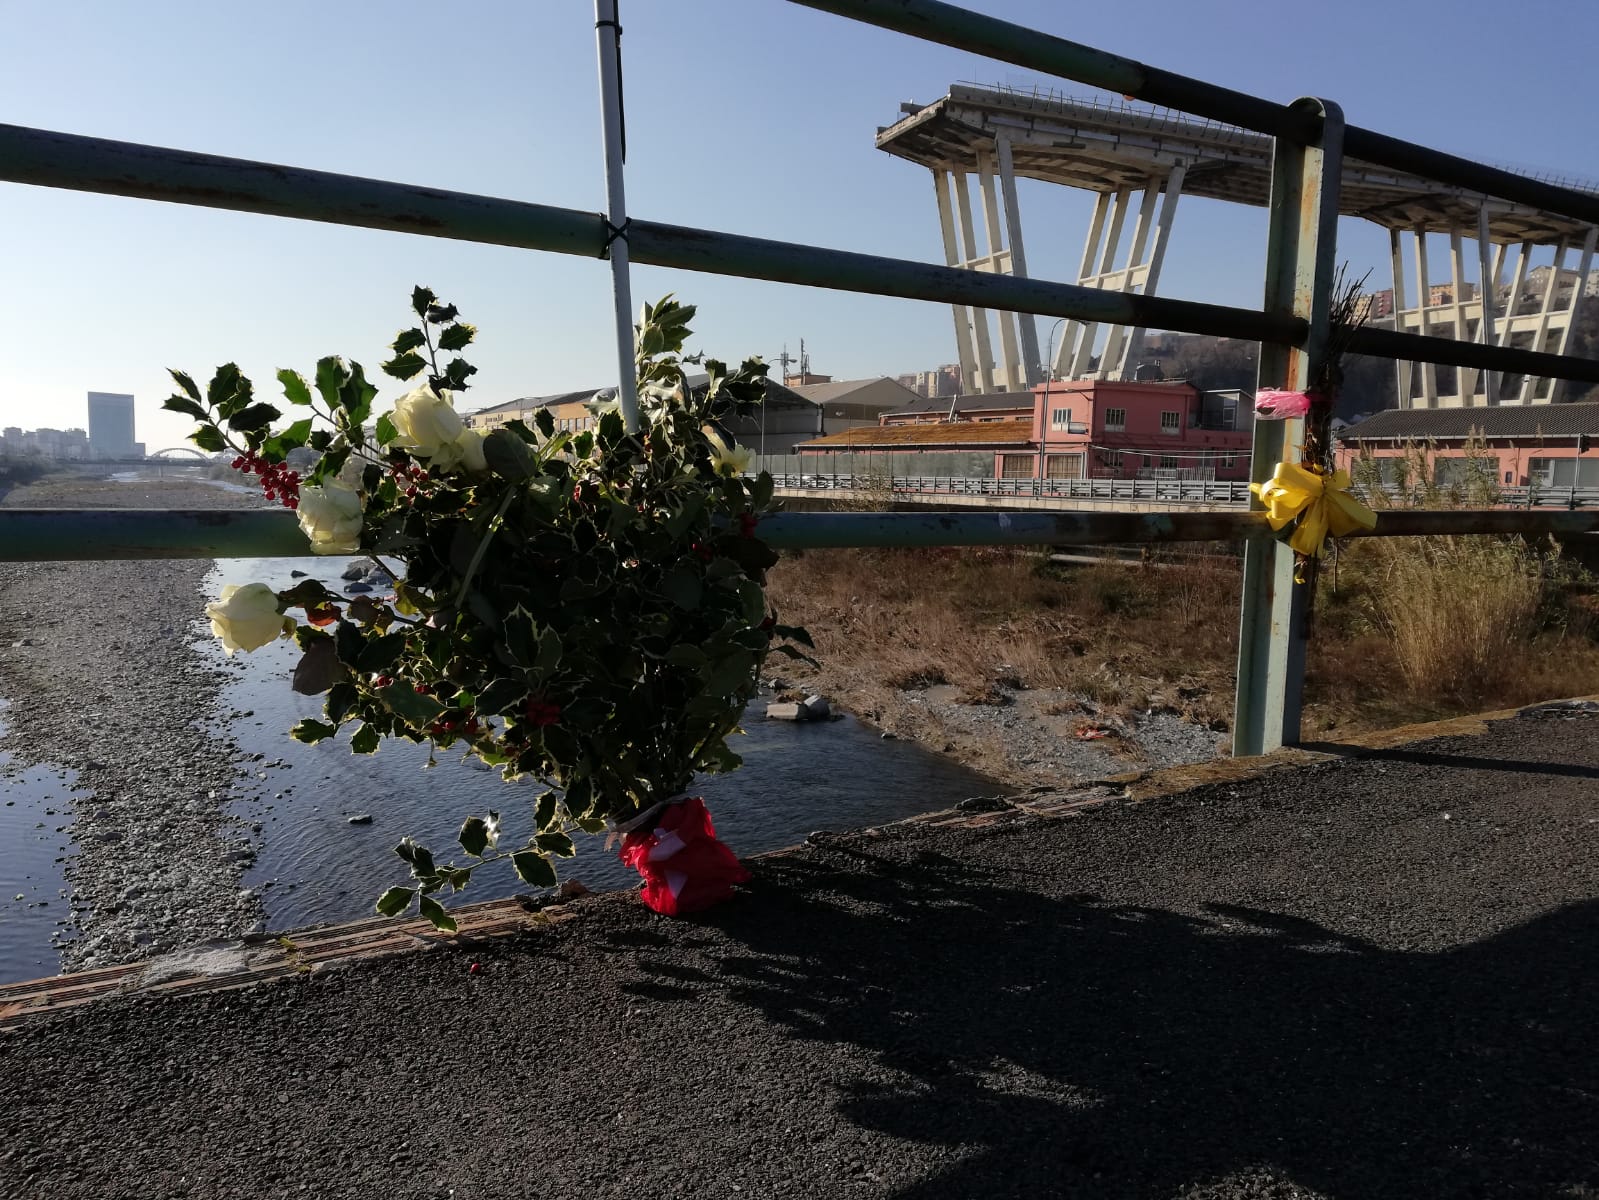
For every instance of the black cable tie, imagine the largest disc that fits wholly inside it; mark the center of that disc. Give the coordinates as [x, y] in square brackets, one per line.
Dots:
[612, 232]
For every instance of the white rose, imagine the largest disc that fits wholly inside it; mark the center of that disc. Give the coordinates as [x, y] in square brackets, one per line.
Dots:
[331, 517]
[352, 470]
[728, 459]
[425, 422]
[470, 445]
[247, 618]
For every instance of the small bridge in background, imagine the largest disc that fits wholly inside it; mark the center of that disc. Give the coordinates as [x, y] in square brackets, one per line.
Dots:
[1108, 495]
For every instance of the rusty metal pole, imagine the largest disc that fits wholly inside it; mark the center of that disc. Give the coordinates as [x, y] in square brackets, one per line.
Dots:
[1301, 257]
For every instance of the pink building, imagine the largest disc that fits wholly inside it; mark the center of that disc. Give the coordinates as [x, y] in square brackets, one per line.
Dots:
[1091, 428]
[1519, 445]
[1072, 430]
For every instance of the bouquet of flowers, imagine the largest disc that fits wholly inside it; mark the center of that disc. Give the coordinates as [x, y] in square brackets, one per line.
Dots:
[584, 609]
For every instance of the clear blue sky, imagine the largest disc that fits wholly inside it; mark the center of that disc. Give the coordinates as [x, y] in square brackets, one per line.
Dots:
[753, 116]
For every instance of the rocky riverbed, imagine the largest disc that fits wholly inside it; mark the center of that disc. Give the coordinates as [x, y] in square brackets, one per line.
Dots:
[95, 662]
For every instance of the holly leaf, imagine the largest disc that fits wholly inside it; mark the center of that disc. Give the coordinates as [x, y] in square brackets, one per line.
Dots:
[185, 381]
[294, 386]
[254, 418]
[534, 868]
[395, 901]
[407, 340]
[508, 456]
[683, 588]
[545, 810]
[421, 297]
[330, 376]
[311, 731]
[209, 437]
[457, 337]
[386, 432]
[228, 390]
[405, 366]
[557, 844]
[474, 836]
[434, 912]
[319, 668]
[411, 706]
[365, 740]
[186, 406]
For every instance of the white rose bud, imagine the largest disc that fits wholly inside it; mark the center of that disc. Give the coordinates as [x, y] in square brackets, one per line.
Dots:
[331, 516]
[247, 618]
[425, 422]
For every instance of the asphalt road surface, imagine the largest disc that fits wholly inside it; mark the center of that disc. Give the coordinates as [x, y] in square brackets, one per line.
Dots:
[1370, 978]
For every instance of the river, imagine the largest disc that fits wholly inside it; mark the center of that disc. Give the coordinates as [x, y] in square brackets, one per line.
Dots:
[311, 865]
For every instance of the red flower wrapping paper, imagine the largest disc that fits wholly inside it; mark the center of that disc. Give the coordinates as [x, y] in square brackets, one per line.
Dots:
[685, 868]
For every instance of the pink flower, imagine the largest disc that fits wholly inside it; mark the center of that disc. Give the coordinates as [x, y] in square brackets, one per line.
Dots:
[1272, 405]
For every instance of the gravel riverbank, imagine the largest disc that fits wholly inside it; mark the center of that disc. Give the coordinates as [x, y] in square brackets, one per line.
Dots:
[96, 666]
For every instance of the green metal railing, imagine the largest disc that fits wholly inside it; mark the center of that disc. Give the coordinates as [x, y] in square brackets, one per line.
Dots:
[1311, 141]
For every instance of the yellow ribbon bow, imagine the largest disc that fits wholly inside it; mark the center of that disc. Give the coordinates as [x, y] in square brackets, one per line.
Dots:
[1321, 502]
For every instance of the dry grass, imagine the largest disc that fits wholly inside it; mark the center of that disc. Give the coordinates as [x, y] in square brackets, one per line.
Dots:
[1404, 630]
[986, 620]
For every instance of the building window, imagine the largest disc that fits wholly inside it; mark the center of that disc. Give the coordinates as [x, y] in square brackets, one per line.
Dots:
[1112, 459]
[1115, 420]
[1064, 466]
[1060, 418]
[1168, 462]
[1016, 466]
[1171, 423]
[1227, 461]
[1146, 460]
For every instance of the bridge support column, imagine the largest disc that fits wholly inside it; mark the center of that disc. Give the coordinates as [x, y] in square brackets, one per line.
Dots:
[1139, 273]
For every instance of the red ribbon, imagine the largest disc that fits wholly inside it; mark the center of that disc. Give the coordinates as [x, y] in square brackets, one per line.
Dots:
[685, 868]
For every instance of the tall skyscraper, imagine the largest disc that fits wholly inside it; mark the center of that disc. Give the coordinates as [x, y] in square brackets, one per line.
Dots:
[111, 426]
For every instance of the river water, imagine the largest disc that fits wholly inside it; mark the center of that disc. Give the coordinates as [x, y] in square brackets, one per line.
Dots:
[315, 866]
[312, 865]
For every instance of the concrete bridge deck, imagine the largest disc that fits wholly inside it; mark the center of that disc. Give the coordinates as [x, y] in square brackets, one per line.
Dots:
[1362, 970]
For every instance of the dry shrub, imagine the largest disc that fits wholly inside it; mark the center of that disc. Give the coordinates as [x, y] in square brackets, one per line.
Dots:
[991, 620]
[912, 679]
[1460, 613]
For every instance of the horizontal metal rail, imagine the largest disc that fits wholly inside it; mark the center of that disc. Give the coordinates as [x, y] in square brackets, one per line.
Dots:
[1415, 347]
[949, 25]
[64, 160]
[59, 535]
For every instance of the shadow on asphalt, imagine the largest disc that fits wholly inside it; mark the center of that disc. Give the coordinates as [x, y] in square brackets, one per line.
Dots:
[1040, 1046]
[1463, 762]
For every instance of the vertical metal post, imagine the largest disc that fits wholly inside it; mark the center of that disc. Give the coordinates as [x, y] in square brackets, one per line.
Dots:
[607, 45]
[1300, 256]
